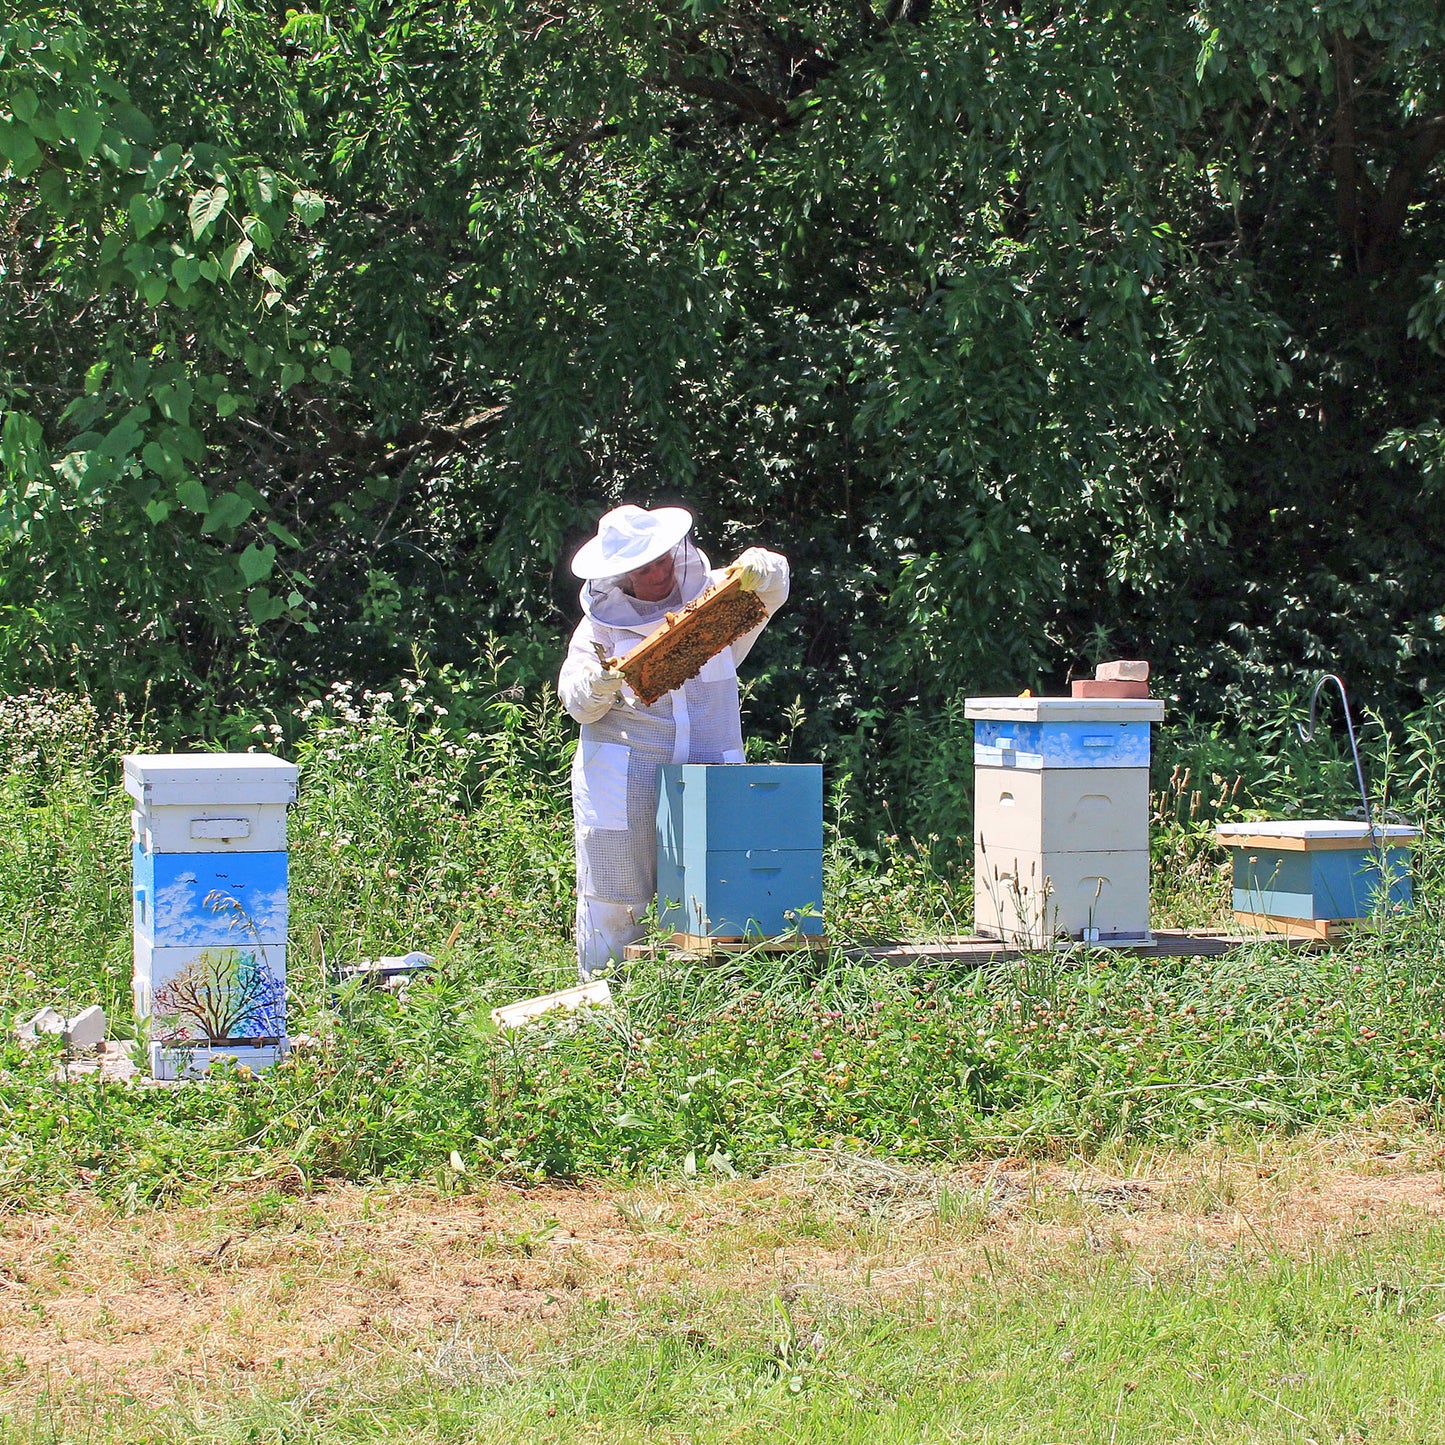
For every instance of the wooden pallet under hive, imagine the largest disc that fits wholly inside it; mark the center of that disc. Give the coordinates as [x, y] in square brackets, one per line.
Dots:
[691, 637]
[707, 946]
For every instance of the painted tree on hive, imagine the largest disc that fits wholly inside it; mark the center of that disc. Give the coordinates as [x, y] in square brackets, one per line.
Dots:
[222, 993]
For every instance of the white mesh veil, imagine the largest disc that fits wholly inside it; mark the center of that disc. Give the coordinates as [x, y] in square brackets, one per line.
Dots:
[604, 600]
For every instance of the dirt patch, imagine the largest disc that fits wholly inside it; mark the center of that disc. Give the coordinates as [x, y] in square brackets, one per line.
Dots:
[258, 1285]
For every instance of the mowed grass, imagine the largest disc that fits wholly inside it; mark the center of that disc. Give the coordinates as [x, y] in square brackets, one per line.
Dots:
[1292, 1296]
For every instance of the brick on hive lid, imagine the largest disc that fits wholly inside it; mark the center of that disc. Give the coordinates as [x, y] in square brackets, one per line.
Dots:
[1108, 687]
[1123, 671]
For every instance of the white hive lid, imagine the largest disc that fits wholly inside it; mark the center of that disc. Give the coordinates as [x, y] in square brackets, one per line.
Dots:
[1065, 709]
[169, 779]
[1305, 829]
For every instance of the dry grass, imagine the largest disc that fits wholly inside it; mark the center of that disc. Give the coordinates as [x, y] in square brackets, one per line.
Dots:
[265, 1285]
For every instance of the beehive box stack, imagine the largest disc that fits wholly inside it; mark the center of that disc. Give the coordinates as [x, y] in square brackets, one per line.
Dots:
[740, 849]
[209, 865]
[1310, 878]
[1061, 820]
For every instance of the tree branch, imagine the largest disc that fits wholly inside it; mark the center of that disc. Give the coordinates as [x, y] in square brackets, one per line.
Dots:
[1387, 218]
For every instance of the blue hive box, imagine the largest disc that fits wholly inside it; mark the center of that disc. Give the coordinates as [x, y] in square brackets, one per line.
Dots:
[1306, 877]
[740, 849]
[1062, 732]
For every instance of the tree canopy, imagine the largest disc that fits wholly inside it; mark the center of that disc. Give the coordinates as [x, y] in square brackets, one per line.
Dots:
[1031, 333]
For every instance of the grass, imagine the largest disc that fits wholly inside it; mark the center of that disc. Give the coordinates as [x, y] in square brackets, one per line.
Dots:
[411, 832]
[1291, 1295]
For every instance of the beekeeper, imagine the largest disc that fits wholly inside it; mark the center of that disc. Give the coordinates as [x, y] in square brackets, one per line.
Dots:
[641, 565]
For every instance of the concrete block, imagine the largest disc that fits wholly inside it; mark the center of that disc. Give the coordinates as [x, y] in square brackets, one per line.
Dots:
[112, 1062]
[87, 1029]
[1122, 672]
[1108, 687]
[43, 1021]
[1061, 810]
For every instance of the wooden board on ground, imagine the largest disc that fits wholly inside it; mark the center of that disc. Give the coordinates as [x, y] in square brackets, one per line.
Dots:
[701, 943]
[973, 949]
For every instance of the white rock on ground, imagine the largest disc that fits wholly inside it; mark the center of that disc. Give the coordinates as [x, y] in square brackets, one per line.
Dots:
[44, 1021]
[87, 1029]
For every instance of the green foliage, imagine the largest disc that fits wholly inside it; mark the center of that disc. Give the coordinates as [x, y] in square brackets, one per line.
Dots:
[408, 836]
[159, 271]
[1027, 336]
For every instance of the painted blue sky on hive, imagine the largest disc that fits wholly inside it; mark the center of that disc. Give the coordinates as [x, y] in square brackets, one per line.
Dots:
[235, 899]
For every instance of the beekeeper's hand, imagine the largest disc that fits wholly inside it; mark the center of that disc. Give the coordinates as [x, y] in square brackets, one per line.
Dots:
[758, 567]
[605, 684]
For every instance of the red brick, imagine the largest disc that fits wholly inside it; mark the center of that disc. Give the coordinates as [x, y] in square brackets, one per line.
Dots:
[1109, 687]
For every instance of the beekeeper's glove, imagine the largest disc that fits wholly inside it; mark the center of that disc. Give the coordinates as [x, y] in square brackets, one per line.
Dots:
[605, 685]
[757, 567]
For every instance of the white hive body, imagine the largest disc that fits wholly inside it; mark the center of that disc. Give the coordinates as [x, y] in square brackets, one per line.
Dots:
[1061, 825]
[210, 911]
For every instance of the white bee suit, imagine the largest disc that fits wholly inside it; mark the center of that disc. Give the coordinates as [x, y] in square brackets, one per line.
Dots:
[623, 742]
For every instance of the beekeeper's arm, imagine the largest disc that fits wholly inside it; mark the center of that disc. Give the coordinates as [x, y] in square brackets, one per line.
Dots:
[586, 688]
[767, 574]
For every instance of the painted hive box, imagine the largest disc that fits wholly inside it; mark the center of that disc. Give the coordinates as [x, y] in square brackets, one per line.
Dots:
[210, 906]
[740, 849]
